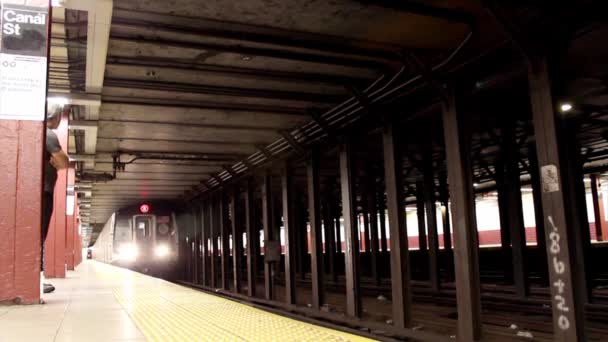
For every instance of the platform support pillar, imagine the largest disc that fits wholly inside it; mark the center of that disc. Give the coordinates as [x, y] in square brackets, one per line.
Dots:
[196, 241]
[366, 229]
[213, 223]
[329, 226]
[290, 234]
[399, 254]
[382, 215]
[252, 240]
[301, 231]
[373, 219]
[445, 220]
[267, 221]
[466, 259]
[539, 217]
[314, 218]
[598, 208]
[224, 243]
[203, 209]
[431, 218]
[54, 247]
[351, 232]
[422, 241]
[237, 242]
[70, 231]
[568, 316]
[512, 209]
[336, 214]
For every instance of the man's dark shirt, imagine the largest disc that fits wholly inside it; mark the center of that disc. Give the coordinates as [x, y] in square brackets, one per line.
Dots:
[50, 173]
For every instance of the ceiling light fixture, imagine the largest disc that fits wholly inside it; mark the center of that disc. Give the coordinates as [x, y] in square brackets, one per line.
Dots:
[62, 101]
[565, 107]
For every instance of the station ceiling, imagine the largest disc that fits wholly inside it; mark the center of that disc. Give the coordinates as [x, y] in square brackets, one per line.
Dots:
[194, 93]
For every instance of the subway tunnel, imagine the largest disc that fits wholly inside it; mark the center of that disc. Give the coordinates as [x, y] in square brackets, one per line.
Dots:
[396, 170]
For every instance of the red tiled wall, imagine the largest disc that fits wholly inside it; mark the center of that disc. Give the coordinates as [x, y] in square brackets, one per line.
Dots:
[20, 210]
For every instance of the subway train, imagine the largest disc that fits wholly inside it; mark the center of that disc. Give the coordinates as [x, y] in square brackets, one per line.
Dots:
[142, 237]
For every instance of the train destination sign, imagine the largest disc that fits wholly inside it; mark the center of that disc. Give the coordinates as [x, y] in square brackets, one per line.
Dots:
[23, 61]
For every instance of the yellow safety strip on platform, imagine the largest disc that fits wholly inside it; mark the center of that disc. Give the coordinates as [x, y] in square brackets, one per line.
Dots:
[167, 312]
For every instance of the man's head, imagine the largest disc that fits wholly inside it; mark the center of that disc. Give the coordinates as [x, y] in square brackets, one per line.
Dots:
[53, 116]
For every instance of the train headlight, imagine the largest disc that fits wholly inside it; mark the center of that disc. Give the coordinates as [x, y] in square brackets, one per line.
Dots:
[161, 251]
[128, 252]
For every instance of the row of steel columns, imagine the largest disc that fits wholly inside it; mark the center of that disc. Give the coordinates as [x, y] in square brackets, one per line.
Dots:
[555, 220]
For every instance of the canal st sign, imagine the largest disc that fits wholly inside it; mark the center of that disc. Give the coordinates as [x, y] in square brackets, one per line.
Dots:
[23, 61]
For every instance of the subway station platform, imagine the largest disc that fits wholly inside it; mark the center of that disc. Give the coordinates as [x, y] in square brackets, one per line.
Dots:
[99, 302]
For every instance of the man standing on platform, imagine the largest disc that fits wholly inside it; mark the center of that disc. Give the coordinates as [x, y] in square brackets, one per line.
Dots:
[54, 159]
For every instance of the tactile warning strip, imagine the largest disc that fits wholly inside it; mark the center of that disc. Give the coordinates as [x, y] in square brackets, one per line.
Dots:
[167, 312]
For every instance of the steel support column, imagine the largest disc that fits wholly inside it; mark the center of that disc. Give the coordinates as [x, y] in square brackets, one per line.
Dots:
[431, 218]
[213, 221]
[568, 319]
[196, 240]
[382, 215]
[445, 220]
[336, 214]
[539, 218]
[505, 232]
[373, 219]
[576, 206]
[267, 221]
[237, 242]
[514, 209]
[366, 233]
[290, 234]
[204, 211]
[252, 240]
[421, 221]
[329, 227]
[314, 218]
[598, 208]
[301, 230]
[224, 243]
[399, 254]
[466, 257]
[351, 232]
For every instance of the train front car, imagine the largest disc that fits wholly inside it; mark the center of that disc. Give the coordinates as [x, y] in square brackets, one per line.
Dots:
[145, 239]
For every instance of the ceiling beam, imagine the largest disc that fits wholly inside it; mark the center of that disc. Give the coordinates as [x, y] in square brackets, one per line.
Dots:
[417, 7]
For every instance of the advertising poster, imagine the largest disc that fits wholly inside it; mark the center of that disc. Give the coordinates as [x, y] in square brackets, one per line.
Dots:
[23, 61]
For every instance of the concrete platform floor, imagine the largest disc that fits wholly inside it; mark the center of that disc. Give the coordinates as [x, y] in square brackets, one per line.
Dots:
[99, 302]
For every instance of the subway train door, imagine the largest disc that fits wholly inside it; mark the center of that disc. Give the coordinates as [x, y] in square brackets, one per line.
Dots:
[144, 226]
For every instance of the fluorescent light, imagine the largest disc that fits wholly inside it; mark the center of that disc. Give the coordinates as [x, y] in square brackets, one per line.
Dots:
[475, 185]
[62, 101]
[57, 3]
[587, 180]
[565, 107]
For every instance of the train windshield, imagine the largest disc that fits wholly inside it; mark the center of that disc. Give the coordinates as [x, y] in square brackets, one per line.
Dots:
[143, 225]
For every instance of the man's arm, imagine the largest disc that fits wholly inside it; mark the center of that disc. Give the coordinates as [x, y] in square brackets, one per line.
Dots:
[60, 160]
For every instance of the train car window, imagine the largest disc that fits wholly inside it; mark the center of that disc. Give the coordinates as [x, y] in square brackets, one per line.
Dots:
[142, 227]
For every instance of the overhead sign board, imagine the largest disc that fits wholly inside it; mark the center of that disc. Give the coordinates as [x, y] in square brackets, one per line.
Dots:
[23, 61]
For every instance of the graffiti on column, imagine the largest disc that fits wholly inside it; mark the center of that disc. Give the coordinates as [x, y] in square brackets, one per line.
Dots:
[559, 266]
